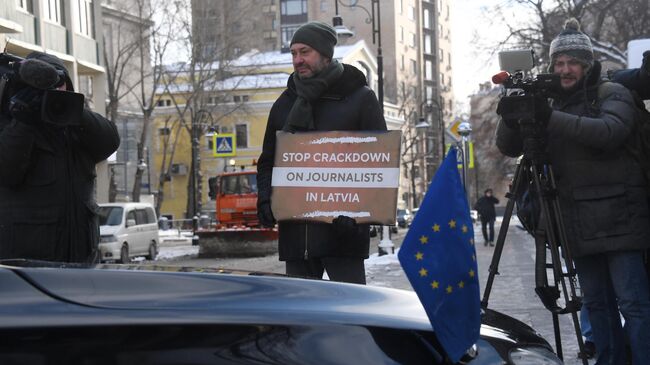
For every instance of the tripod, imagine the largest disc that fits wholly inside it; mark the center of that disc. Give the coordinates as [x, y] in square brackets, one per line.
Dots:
[535, 170]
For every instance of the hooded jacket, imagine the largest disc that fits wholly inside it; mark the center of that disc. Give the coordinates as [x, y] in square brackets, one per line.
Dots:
[47, 186]
[601, 187]
[348, 104]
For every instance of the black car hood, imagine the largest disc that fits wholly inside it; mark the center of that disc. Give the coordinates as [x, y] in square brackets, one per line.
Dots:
[35, 295]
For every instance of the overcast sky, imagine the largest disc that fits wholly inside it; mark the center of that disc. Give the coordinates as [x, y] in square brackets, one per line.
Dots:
[471, 66]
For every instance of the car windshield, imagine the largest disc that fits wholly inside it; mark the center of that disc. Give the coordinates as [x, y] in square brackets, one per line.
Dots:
[402, 212]
[239, 184]
[110, 216]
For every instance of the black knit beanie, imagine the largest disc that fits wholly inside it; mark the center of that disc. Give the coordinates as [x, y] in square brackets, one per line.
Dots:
[54, 61]
[572, 42]
[318, 35]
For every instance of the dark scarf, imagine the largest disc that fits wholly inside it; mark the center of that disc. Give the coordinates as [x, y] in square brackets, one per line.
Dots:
[301, 116]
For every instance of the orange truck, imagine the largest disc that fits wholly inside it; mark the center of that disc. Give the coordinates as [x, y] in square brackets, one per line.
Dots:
[237, 231]
[235, 194]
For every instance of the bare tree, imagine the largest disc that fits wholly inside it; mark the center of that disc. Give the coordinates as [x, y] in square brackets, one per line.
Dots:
[201, 89]
[609, 23]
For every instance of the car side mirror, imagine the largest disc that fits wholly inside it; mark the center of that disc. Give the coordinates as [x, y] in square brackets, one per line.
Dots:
[130, 222]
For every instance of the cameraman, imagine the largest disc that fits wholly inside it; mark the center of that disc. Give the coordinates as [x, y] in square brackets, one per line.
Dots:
[601, 189]
[47, 174]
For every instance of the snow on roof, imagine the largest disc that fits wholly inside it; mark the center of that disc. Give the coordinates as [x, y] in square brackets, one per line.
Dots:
[255, 58]
[257, 81]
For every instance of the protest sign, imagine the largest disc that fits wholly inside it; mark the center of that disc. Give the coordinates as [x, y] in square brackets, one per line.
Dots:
[318, 176]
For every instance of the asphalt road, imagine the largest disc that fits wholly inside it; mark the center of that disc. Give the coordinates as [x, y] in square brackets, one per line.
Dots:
[512, 291]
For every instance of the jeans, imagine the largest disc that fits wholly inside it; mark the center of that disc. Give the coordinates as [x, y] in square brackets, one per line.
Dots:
[488, 236]
[611, 282]
[343, 269]
[585, 326]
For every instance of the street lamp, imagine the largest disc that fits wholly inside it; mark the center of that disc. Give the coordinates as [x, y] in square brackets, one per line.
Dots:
[374, 17]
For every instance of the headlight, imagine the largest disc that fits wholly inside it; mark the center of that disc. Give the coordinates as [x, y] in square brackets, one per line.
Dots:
[533, 356]
[106, 239]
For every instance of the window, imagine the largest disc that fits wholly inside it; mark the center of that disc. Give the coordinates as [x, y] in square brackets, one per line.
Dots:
[241, 133]
[442, 54]
[413, 40]
[287, 34]
[442, 79]
[427, 19]
[164, 102]
[25, 5]
[293, 7]
[428, 70]
[427, 43]
[323, 5]
[411, 13]
[52, 11]
[414, 67]
[165, 131]
[401, 63]
[85, 17]
[429, 93]
[401, 34]
[240, 98]
[400, 6]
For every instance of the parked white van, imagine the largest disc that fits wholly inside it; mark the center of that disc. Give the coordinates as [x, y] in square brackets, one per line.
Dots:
[127, 230]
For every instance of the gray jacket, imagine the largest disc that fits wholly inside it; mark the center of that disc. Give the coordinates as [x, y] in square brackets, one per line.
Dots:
[601, 187]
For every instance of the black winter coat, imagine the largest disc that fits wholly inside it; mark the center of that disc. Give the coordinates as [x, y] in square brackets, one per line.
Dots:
[601, 187]
[349, 104]
[485, 207]
[47, 180]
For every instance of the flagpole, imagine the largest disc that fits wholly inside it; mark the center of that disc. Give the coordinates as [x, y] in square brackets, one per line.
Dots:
[465, 129]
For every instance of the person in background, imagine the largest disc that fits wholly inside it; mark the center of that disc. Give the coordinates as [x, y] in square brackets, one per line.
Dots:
[485, 208]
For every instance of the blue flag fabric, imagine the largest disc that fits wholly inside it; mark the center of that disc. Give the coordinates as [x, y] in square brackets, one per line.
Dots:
[439, 258]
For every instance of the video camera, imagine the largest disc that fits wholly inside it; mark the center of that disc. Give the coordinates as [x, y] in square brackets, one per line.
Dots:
[62, 108]
[521, 87]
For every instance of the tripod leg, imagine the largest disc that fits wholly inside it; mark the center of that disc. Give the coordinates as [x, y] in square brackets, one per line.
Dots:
[503, 231]
[556, 235]
[558, 336]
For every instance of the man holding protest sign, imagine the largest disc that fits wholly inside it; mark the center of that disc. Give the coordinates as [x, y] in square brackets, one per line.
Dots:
[322, 95]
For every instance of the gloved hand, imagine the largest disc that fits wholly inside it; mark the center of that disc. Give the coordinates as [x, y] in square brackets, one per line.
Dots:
[265, 214]
[344, 225]
[26, 104]
[542, 110]
[509, 110]
[646, 62]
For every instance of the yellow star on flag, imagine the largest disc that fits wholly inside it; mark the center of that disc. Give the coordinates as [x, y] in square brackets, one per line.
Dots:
[419, 256]
[449, 289]
[435, 285]
[471, 241]
[461, 285]
[436, 227]
[473, 257]
[452, 224]
[423, 272]
[465, 229]
[424, 239]
[472, 273]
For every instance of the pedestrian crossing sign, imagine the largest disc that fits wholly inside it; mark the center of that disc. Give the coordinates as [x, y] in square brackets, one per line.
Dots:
[224, 144]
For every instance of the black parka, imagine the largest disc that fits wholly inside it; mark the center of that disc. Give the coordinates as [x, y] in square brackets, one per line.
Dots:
[601, 187]
[47, 187]
[349, 104]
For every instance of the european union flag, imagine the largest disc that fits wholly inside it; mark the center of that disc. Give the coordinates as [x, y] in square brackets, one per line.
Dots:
[439, 259]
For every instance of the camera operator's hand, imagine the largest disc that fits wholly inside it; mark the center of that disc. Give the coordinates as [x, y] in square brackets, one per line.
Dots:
[265, 214]
[25, 105]
[542, 110]
[646, 62]
[505, 109]
[344, 225]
